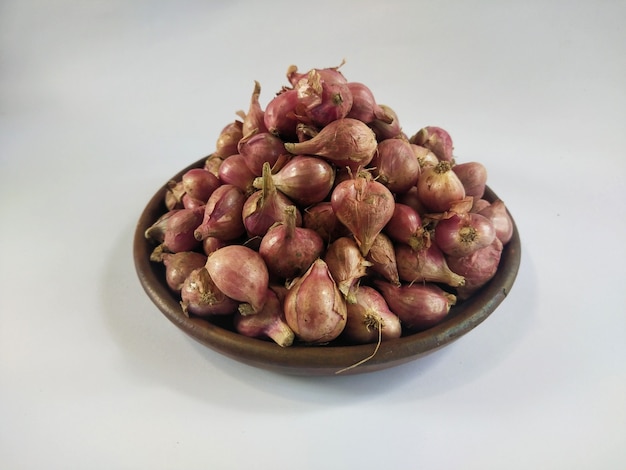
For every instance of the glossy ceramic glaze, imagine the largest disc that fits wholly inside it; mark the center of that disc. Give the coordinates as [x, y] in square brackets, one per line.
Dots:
[317, 360]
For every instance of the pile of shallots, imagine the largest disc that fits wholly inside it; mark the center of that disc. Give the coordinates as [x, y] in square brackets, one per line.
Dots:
[318, 220]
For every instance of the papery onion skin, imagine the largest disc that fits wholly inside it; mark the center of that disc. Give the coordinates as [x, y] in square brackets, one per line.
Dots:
[259, 148]
[199, 183]
[268, 323]
[314, 307]
[323, 97]
[385, 128]
[438, 187]
[395, 165]
[289, 250]
[462, 234]
[436, 139]
[383, 258]
[228, 139]
[213, 163]
[424, 156]
[279, 117]
[344, 142]
[497, 213]
[241, 274]
[364, 105]
[179, 234]
[178, 266]
[477, 268]
[156, 232]
[201, 297]
[321, 218]
[222, 214]
[473, 175]
[346, 265]
[419, 306]
[425, 265]
[254, 119]
[234, 170]
[305, 180]
[367, 315]
[406, 226]
[364, 206]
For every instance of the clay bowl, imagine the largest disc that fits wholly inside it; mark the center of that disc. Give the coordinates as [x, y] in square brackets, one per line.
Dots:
[317, 360]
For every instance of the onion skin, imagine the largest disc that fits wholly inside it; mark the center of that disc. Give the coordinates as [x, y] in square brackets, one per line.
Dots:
[213, 163]
[241, 274]
[211, 244]
[257, 149]
[346, 265]
[201, 297]
[503, 223]
[395, 165]
[364, 106]
[462, 234]
[425, 265]
[305, 180]
[367, 315]
[344, 142]
[321, 218]
[222, 214]
[419, 306]
[436, 139]
[323, 97]
[178, 266]
[289, 250]
[385, 128]
[438, 187]
[229, 139]
[364, 206]
[156, 232]
[234, 170]
[383, 258]
[473, 175]
[477, 268]
[199, 183]
[314, 307]
[279, 117]
[405, 226]
[424, 156]
[268, 323]
[179, 233]
[254, 119]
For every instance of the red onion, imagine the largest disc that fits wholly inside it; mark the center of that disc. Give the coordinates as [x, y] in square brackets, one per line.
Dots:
[241, 274]
[346, 265]
[178, 266]
[477, 268]
[473, 175]
[503, 223]
[229, 139]
[364, 106]
[266, 207]
[279, 117]
[199, 183]
[436, 139]
[411, 199]
[419, 306]
[479, 204]
[384, 128]
[289, 250]
[383, 258]
[395, 165]
[364, 206]
[268, 323]
[324, 97]
[438, 187]
[234, 170]
[201, 297]
[405, 226]
[344, 142]
[314, 307]
[331, 74]
[192, 203]
[156, 232]
[462, 234]
[321, 218]
[260, 148]
[305, 180]
[222, 214]
[369, 318]
[253, 121]
[425, 265]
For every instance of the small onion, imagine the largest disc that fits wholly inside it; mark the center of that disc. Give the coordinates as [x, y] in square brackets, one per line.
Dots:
[268, 323]
[369, 318]
[201, 297]
[462, 234]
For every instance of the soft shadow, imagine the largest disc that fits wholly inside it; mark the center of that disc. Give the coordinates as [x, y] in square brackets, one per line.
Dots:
[153, 351]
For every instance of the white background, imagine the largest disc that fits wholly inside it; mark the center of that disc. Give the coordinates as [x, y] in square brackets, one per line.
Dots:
[101, 102]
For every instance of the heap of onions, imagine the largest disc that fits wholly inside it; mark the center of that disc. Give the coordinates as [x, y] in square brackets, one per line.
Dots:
[317, 220]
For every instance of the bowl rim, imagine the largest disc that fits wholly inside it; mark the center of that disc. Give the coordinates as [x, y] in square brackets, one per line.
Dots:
[326, 359]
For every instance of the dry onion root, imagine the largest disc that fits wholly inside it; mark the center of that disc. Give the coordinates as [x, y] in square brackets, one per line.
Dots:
[317, 220]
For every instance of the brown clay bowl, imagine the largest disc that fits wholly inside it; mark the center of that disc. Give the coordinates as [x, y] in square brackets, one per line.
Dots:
[317, 360]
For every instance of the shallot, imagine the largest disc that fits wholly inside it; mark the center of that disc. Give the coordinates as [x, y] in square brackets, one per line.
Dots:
[462, 234]
[473, 175]
[436, 139]
[268, 323]
[178, 266]
[364, 105]
[346, 265]
[395, 165]
[497, 213]
[383, 258]
[314, 307]
[233, 170]
[200, 296]
[228, 139]
[364, 206]
[425, 265]
[241, 274]
[369, 318]
[406, 226]
[254, 121]
[222, 214]
[438, 187]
